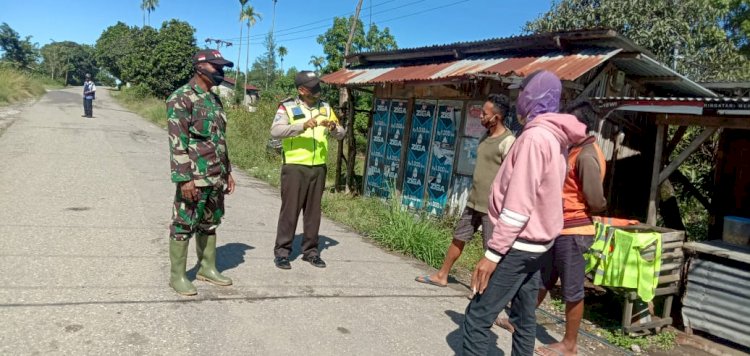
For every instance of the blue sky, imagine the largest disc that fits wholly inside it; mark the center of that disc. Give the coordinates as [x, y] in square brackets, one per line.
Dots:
[413, 23]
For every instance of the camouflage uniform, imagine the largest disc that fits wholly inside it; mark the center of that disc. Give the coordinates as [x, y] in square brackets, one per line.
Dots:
[198, 152]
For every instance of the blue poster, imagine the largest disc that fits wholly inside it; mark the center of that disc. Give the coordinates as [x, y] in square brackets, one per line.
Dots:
[375, 183]
[418, 153]
[447, 123]
[394, 145]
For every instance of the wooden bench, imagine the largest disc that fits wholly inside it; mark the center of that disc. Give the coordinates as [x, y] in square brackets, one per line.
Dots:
[670, 277]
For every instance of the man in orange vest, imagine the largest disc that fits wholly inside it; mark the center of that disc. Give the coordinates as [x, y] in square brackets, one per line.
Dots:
[583, 195]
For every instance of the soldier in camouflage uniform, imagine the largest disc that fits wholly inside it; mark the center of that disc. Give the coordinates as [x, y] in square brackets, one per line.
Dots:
[200, 169]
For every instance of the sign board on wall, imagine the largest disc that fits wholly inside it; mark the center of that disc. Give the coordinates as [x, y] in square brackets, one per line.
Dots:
[376, 159]
[447, 122]
[473, 127]
[418, 153]
[394, 144]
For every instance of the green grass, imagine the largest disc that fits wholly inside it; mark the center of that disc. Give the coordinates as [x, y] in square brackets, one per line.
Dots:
[17, 86]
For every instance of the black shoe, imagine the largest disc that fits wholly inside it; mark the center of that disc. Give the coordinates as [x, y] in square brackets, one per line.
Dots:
[282, 262]
[315, 261]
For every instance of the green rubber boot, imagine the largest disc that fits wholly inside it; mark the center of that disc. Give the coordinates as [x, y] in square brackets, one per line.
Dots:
[178, 278]
[205, 247]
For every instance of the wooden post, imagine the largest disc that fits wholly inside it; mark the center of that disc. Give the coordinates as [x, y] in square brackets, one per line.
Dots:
[697, 142]
[352, 149]
[339, 157]
[653, 192]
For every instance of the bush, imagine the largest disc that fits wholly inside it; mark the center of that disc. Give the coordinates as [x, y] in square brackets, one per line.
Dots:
[16, 85]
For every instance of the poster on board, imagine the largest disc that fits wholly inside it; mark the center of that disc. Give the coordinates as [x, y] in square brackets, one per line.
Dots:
[376, 159]
[447, 122]
[394, 144]
[473, 127]
[467, 156]
[418, 153]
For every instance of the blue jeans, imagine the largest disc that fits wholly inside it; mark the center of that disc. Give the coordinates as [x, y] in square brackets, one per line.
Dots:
[516, 278]
[88, 107]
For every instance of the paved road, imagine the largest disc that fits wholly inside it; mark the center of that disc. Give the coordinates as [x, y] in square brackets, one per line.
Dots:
[83, 229]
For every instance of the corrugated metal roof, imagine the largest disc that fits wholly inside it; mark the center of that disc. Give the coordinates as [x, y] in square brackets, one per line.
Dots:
[716, 298]
[567, 66]
[644, 66]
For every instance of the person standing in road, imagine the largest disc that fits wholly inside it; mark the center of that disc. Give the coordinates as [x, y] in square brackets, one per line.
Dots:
[201, 170]
[491, 152]
[89, 93]
[303, 124]
[525, 207]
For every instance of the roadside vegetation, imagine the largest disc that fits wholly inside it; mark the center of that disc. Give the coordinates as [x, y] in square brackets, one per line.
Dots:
[16, 85]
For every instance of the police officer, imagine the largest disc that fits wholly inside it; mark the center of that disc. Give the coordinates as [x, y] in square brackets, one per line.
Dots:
[200, 169]
[304, 124]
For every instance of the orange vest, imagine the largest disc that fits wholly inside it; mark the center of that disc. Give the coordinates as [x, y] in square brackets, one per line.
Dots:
[575, 212]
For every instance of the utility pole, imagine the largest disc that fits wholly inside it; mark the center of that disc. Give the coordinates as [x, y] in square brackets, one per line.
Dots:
[343, 99]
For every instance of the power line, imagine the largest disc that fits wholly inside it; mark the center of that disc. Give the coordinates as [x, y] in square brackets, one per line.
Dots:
[287, 31]
[380, 21]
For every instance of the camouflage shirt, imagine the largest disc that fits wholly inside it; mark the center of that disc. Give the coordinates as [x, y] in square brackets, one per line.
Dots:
[197, 136]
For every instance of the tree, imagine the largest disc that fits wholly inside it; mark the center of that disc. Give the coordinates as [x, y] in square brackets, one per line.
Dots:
[69, 60]
[148, 6]
[173, 56]
[113, 46]
[21, 52]
[688, 32]
[239, 51]
[264, 67]
[282, 53]
[251, 17]
[317, 62]
[737, 23]
[334, 41]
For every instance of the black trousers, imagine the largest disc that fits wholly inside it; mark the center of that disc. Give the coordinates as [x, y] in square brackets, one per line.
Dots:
[301, 190]
[516, 278]
[88, 107]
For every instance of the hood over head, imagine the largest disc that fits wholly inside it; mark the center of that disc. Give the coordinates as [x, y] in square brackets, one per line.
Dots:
[539, 95]
[567, 128]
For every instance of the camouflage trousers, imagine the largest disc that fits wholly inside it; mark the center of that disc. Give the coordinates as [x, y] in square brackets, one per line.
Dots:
[202, 216]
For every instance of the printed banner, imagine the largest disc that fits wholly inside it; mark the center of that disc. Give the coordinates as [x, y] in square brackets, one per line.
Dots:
[418, 153]
[467, 156]
[376, 159]
[394, 146]
[443, 150]
[473, 127]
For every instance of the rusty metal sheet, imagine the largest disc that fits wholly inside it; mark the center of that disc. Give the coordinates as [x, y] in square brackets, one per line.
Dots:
[566, 66]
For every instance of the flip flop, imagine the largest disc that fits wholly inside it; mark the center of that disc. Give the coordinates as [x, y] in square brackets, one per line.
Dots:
[427, 280]
[547, 351]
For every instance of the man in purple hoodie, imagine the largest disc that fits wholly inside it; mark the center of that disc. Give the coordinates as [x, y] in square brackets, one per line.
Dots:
[525, 206]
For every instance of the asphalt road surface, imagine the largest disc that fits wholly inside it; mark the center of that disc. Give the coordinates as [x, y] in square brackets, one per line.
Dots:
[86, 205]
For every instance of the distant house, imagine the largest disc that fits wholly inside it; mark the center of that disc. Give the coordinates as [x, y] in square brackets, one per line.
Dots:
[226, 89]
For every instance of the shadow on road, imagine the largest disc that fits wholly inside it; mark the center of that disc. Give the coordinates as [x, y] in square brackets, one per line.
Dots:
[455, 338]
[228, 256]
[324, 242]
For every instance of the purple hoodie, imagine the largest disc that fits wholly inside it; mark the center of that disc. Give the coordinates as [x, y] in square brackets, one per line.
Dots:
[541, 94]
[525, 203]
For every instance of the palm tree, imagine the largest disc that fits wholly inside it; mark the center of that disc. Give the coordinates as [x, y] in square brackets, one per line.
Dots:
[239, 52]
[273, 19]
[248, 14]
[317, 62]
[148, 6]
[282, 53]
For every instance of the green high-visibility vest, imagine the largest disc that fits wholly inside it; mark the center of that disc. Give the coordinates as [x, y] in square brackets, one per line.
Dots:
[310, 148]
[626, 259]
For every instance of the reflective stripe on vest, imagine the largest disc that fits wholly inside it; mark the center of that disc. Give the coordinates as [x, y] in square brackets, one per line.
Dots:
[310, 148]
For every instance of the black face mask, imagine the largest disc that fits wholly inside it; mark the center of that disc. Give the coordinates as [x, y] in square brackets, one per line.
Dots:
[216, 77]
